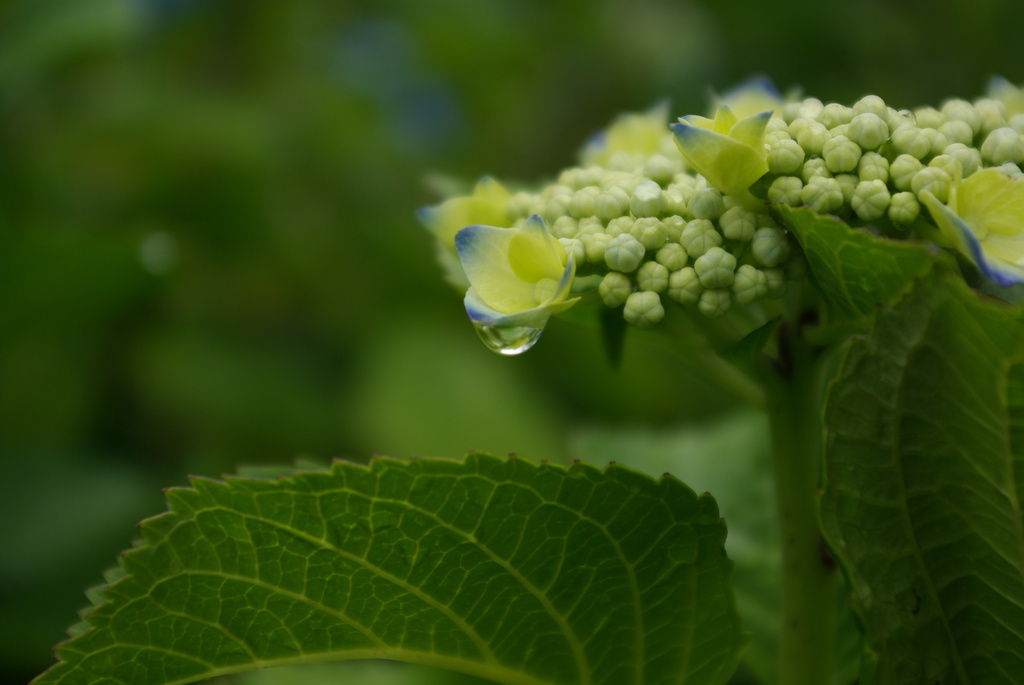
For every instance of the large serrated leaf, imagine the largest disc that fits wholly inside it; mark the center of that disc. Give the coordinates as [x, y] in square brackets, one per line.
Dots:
[854, 270]
[500, 568]
[925, 478]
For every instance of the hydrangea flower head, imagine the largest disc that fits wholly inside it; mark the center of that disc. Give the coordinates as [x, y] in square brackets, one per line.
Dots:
[729, 152]
[985, 220]
[518, 277]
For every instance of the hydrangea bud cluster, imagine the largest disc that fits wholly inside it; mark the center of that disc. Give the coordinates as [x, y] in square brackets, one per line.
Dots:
[659, 216]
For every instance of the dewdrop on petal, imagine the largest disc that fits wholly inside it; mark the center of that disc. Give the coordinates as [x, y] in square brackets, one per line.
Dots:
[643, 309]
[614, 288]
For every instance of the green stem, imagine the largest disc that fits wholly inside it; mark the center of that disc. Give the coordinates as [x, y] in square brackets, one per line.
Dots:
[809, 574]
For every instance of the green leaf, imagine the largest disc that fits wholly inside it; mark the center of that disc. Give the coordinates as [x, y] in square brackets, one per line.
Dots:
[852, 269]
[925, 478]
[499, 568]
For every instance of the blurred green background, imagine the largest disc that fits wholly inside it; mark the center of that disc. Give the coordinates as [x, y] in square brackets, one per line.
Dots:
[208, 250]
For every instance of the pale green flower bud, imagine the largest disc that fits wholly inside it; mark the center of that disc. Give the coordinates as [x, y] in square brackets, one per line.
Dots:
[796, 125]
[776, 123]
[738, 223]
[936, 181]
[684, 287]
[1010, 169]
[904, 208]
[873, 166]
[871, 104]
[769, 247]
[674, 226]
[848, 184]
[903, 169]
[699, 236]
[840, 130]
[786, 189]
[775, 137]
[1017, 122]
[574, 247]
[646, 200]
[785, 157]
[584, 202]
[615, 287]
[595, 244]
[840, 154]
[651, 232]
[992, 114]
[871, 200]
[812, 137]
[1001, 146]
[660, 169]
[948, 163]
[522, 205]
[776, 280]
[823, 195]
[868, 130]
[715, 268]
[588, 226]
[652, 276]
[706, 203]
[899, 118]
[570, 178]
[624, 253]
[565, 227]
[814, 167]
[644, 309]
[672, 256]
[555, 207]
[676, 198]
[611, 204]
[962, 110]
[957, 132]
[908, 139]
[810, 108]
[749, 285]
[834, 114]
[937, 140]
[715, 303]
[620, 225]
[969, 157]
[929, 117]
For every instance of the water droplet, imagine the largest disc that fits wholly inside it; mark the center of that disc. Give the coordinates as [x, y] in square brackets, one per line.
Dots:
[508, 340]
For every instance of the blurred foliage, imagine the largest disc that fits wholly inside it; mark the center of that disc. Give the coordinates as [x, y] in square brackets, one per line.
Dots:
[208, 252]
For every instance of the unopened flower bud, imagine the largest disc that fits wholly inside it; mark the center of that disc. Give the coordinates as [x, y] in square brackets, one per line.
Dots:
[715, 303]
[785, 157]
[672, 256]
[937, 141]
[715, 268]
[620, 225]
[583, 202]
[776, 279]
[611, 204]
[957, 132]
[823, 195]
[969, 157]
[565, 227]
[624, 253]
[812, 137]
[660, 169]
[870, 104]
[684, 287]
[769, 247]
[904, 208]
[841, 154]
[834, 114]
[706, 203]
[929, 117]
[644, 309]
[1011, 170]
[903, 169]
[574, 247]
[948, 163]
[871, 200]
[674, 226]
[868, 130]
[652, 276]
[814, 167]
[646, 200]
[873, 166]
[676, 198]
[738, 223]
[992, 114]
[699, 236]
[595, 244]
[936, 181]
[555, 207]
[908, 139]
[614, 288]
[749, 285]
[589, 225]
[1003, 145]
[786, 189]
[848, 184]
[651, 232]
[962, 110]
